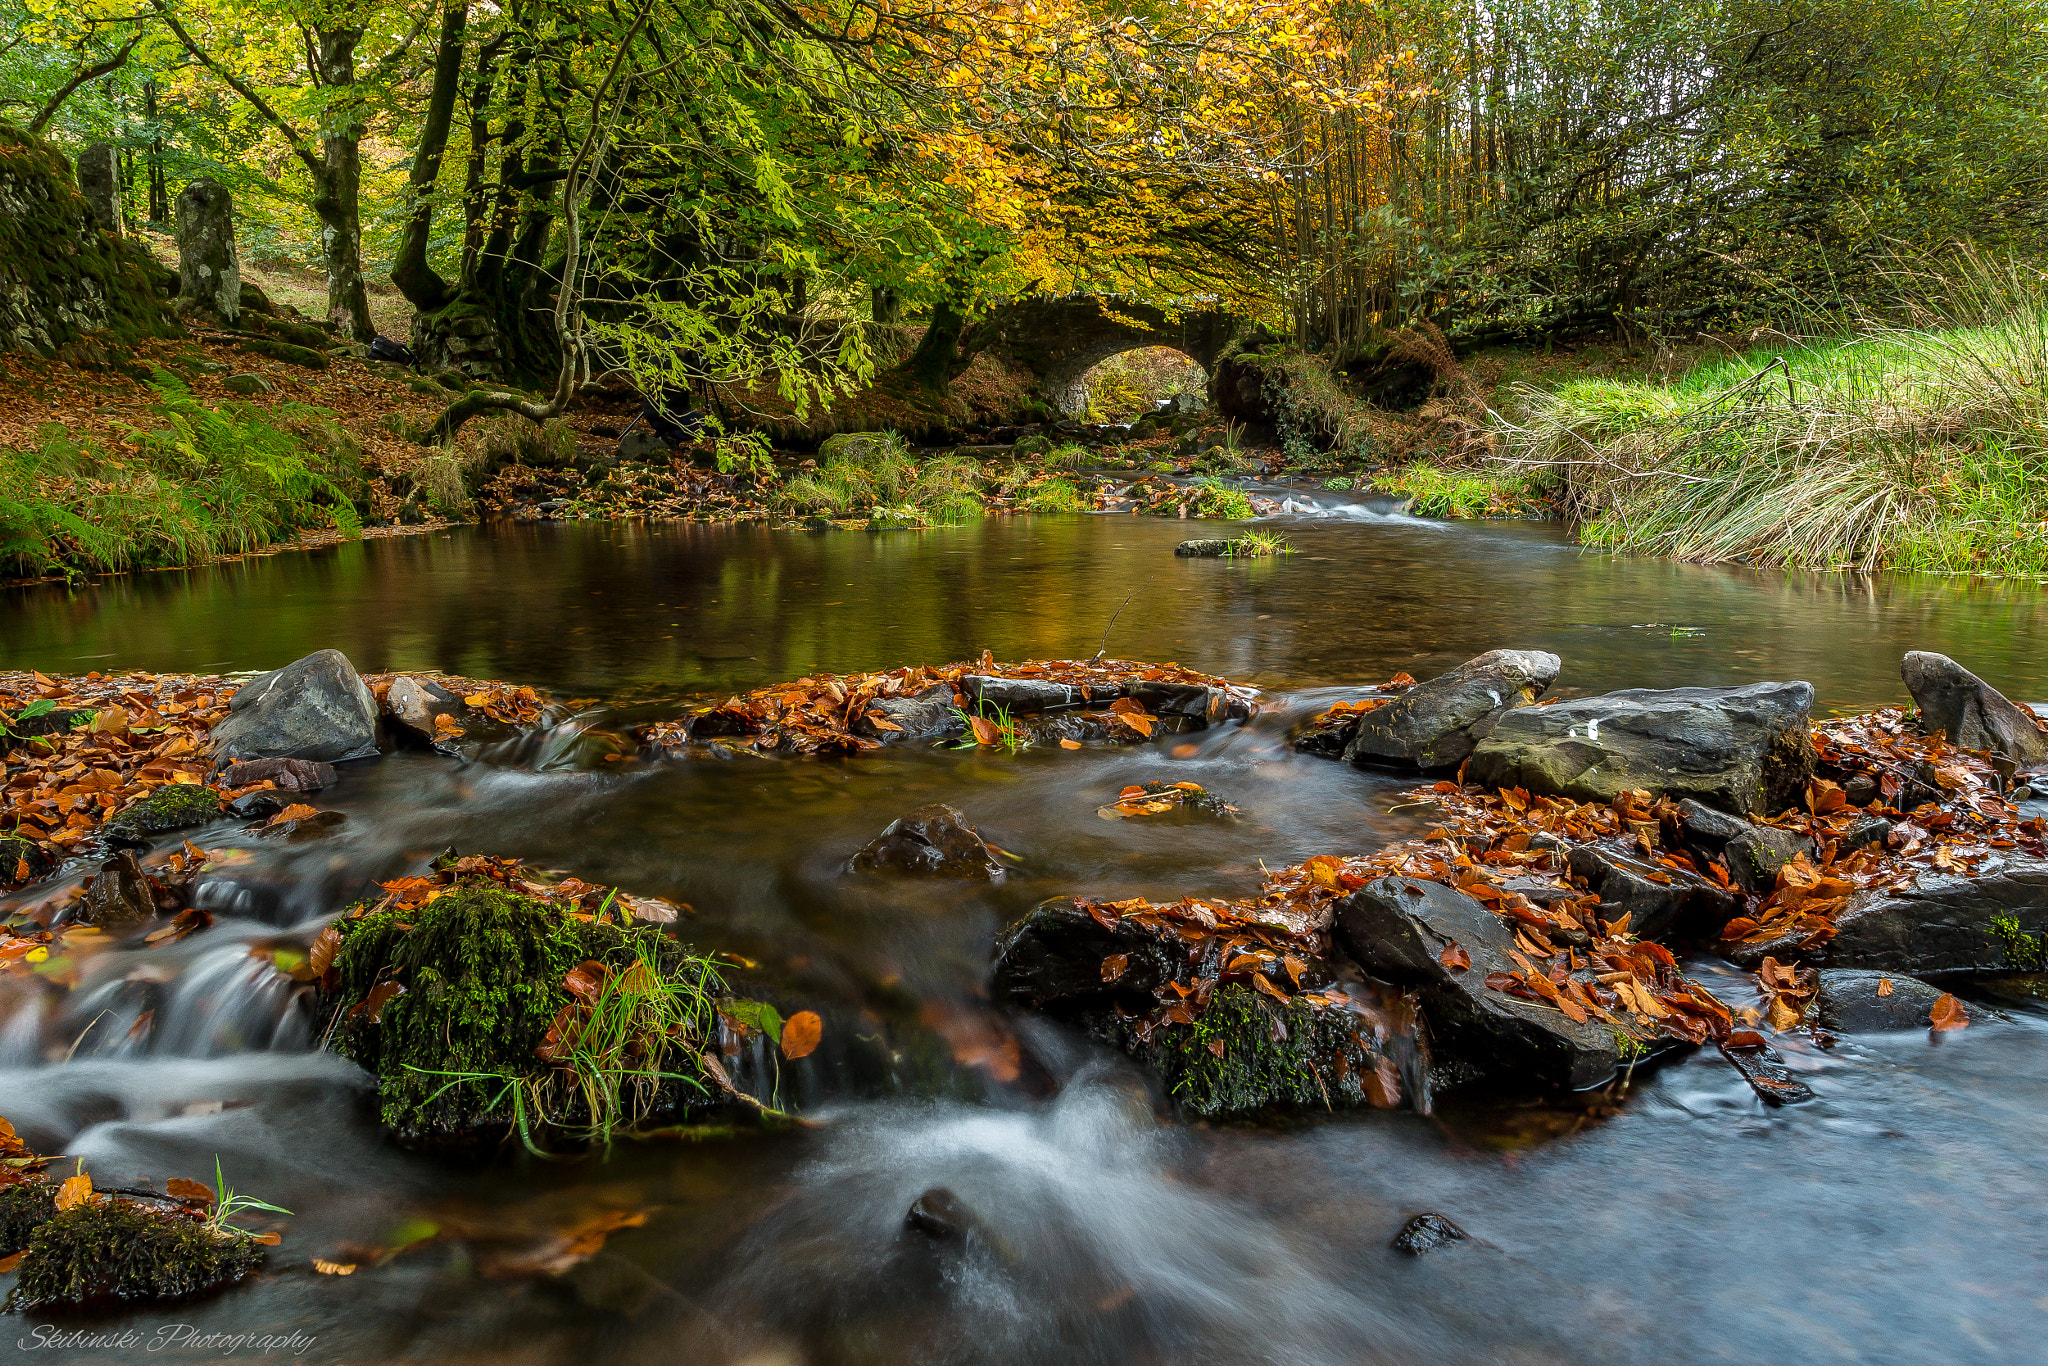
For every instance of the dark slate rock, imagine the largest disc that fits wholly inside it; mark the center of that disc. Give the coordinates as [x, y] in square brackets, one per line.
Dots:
[1025, 695]
[1435, 725]
[413, 704]
[932, 839]
[1204, 705]
[1745, 749]
[1848, 1001]
[258, 806]
[1053, 958]
[1952, 925]
[1427, 1233]
[313, 708]
[1755, 856]
[1764, 1069]
[18, 731]
[1972, 713]
[290, 775]
[23, 861]
[929, 715]
[174, 806]
[1395, 927]
[1864, 830]
[1660, 902]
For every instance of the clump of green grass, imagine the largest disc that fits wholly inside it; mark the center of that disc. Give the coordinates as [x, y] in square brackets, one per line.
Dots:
[859, 476]
[1071, 456]
[1215, 499]
[1052, 495]
[194, 483]
[1258, 545]
[1466, 494]
[1920, 444]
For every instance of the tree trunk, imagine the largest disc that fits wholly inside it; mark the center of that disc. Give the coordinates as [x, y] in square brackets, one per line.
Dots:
[417, 280]
[337, 191]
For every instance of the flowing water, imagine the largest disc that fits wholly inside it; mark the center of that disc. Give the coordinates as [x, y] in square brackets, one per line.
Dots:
[1896, 1218]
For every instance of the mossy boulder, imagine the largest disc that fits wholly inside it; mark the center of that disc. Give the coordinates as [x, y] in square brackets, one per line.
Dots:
[23, 1207]
[112, 1251]
[450, 1003]
[285, 330]
[61, 276]
[1245, 1054]
[174, 806]
[303, 356]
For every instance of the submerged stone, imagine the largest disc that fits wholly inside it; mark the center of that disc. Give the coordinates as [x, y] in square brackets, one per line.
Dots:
[1856, 1001]
[1246, 1053]
[1427, 1233]
[290, 775]
[113, 1251]
[1745, 749]
[119, 894]
[932, 839]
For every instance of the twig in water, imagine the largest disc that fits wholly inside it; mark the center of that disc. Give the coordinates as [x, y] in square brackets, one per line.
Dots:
[1112, 626]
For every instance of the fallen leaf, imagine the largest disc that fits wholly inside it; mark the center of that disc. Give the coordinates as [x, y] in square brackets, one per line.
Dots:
[182, 1189]
[8, 1264]
[801, 1033]
[75, 1191]
[270, 1239]
[586, 980]
[1114, 966]
[320, 956]
[327, 1268]
[1454, 957]
[985, 732]
[1064, 744]
[297, 812]
[1947, 1013]
[1884, 986]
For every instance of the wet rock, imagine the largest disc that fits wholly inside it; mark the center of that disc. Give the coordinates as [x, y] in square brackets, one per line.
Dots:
[113, 1252]
[258, 806]
[17, 731]
[1396, 927]
[290, 775]
[1855, 1001]
[1427, 1233]
[1764, 1069]
[1327, 735]
[174, 806]
[1661, 902]
[1203, 549]
[1144, 800]
[1950, 925]
[246, 385]
[929, 715]
[1865, 830]
[1745, 749]
[1435, 725]
[304, 828]
[313, 708]
[1972, 713]
[1053, 959]
[209, 272]
[416, 707]
[119, 894]
[939, 1213]
[932, 839]
[1755, 856]
[23, 861]
[1026, 695]
[1204, 705]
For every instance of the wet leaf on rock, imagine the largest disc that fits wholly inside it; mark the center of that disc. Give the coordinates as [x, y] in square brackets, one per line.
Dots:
[801, 1033]
[1114, 966]
[1455, 957]
[76, 1191]
[1948, 1013]
[180, 1188]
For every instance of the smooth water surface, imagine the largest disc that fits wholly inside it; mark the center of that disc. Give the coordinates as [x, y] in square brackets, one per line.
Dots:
[1895, 1219]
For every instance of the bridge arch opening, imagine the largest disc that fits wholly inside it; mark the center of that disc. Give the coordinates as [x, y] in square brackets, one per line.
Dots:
[1134, 381]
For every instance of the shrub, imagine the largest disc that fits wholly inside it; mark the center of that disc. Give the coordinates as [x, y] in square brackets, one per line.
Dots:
[863, 472]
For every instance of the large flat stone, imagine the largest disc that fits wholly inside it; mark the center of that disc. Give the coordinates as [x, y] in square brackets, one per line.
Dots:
[1745, 749]
[1435, 725]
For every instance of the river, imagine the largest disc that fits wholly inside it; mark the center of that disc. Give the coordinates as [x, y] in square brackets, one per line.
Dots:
[1895, 1218]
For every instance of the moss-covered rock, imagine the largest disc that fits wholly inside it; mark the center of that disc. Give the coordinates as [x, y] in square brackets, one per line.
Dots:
[450, 1004]
[1245, 1054]
[174, 806]
[110, 1250]
[23, 861]
[285, 330]
[24, 1206]
[304, 356]
[61, 277]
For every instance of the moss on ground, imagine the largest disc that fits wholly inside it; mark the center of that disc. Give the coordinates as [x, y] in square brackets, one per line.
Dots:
[174, 806]
[482, 971]
[1245, 1054]
[109, 1250]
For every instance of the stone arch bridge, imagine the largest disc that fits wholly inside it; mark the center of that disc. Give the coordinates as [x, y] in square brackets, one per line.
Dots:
[1059, 340]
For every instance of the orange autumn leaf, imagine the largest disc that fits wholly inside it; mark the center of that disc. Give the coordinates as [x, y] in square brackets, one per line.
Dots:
[1948, 1013]
[1114, 966]
[801, 1033]
[293, 813]
[182, 1189]
[1454, 957]
[985, 732]
[1064, 744]
[74, 1192]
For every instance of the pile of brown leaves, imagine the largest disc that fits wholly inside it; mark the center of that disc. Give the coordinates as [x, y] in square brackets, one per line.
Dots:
[816, 715]
[146, 730]
[508, 703]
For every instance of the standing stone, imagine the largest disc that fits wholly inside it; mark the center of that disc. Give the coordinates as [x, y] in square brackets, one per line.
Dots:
[100, 184]
[209, 275]
[1972, 713]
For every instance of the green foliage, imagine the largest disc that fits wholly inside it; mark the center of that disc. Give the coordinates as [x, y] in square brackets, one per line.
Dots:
[1215, 499]
[205, 482]
[1920, 447]
[1258, 545]
[111, 1249]
[1053, 495]
[1244, 1054]
[2023, 952]
[1463, 494]
[864, 473]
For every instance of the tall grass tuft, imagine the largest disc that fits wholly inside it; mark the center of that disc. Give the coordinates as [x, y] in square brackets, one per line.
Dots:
[1921, 441]
[197, 482]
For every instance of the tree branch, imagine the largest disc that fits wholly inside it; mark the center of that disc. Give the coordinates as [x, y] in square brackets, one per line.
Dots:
[84, 74]
[235, 83]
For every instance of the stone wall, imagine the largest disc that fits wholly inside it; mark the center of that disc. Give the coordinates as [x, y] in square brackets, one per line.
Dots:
[61, 276]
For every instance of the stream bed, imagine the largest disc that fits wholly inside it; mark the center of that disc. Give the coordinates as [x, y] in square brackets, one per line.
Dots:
[1896, 1218]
